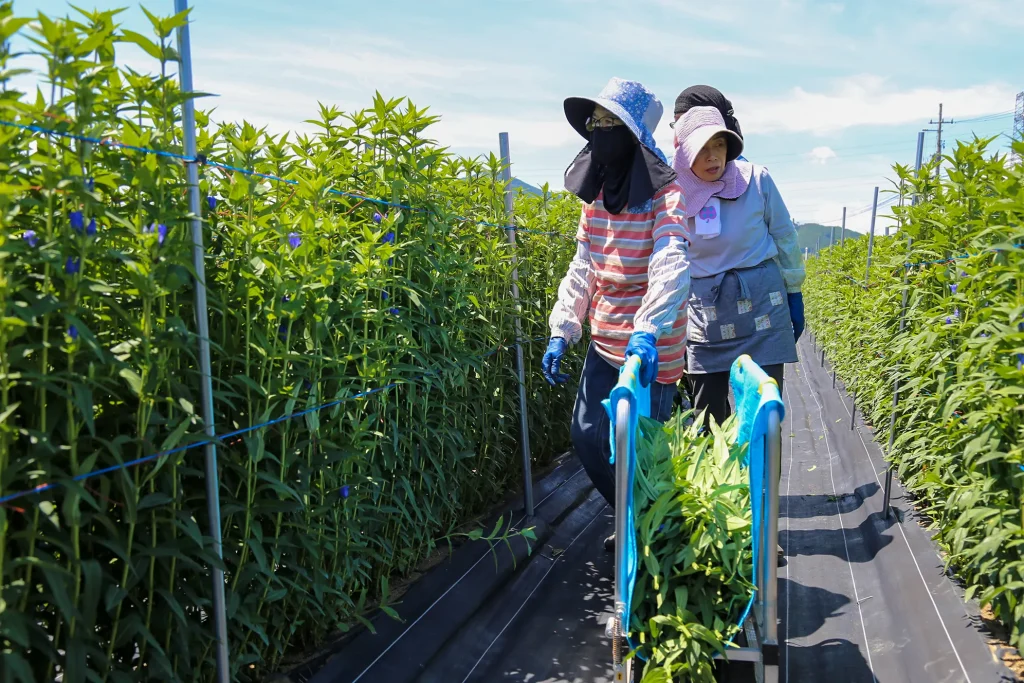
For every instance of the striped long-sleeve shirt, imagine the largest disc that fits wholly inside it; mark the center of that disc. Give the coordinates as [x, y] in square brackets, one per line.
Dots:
[630, 273]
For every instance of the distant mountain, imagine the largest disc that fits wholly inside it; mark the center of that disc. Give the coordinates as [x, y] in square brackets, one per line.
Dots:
[810, 233]
[518, 184]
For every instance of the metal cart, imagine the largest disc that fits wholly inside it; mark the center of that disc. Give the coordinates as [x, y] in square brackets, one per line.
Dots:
[761, 412]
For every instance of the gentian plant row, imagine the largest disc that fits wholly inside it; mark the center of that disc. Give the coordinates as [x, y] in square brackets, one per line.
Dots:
[315, 296]
[959, 429]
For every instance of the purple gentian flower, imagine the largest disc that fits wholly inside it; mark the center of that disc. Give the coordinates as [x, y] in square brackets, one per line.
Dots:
[90, 184]
[30, 237]
[90, 230]
[161, 231]
[73, 332]
[953, 288]
[949, 320]
[282, 331]
[344, 491]
[384, 294]
[391, 262]
[72, 265]
[394, 311]
[389, 238]
[1020, 361]
[285, 299]
[294, 239]
[211, 201]
[77, 221]
[377, 218]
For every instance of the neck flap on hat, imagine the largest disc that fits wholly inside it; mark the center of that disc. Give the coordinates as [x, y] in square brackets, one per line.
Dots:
[628, 186]
[624, 162]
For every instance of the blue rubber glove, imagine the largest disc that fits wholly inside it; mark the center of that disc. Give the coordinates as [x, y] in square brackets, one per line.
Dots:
[796, 313]
[552, 363]
[643, 344]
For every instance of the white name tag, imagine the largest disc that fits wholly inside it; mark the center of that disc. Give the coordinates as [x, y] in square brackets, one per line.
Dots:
[708, 220]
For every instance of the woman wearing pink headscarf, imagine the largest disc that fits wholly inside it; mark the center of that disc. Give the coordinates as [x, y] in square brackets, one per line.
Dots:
[745, 263]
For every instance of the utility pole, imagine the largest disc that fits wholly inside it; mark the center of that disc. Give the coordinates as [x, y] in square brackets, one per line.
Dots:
[1018, 123]
[938, 141]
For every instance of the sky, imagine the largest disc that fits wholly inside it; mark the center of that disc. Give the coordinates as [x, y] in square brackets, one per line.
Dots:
[829, 94]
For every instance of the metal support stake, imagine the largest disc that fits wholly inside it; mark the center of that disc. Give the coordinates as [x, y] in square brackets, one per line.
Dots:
[842, 233]
[622, 668]
[895, 402]
[903, 323]
[871, 238]
[188, 126]
[853, 413]
[524, 424]
[770, 586]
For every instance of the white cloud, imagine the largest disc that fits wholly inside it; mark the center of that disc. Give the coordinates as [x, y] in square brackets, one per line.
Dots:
[481, 131]
[721, 12]
[821, 155]
[665, 47]
[862, 101]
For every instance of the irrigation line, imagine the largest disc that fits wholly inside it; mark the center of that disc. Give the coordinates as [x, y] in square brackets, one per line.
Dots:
[842, 524]
[913, 557]
[457, 582]
[527, 599]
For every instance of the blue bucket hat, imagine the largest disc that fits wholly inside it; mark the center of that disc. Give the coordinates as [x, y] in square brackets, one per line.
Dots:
[630, 101]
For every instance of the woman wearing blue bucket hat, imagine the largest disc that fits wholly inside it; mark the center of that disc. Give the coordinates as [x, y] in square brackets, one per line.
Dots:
[629, 278]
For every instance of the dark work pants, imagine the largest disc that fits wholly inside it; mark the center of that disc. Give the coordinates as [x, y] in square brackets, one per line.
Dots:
[711, 392]
[591, 427]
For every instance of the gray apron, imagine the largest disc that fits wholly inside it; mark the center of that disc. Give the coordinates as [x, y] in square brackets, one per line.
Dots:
[741, 311]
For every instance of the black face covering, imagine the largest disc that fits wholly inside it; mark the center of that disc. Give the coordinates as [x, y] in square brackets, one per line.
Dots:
[614, 150]
[614, 162]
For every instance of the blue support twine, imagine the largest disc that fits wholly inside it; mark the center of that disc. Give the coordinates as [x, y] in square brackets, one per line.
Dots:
[1017, 245]
[42, 488]
[202, 159]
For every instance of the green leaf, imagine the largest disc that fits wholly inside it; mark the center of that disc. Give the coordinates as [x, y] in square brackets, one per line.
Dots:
[151, 48]
[133, 380]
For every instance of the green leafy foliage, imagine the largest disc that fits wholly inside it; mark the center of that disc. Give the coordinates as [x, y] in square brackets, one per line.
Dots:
[313, 299]
[694, 545]
[959, 427]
